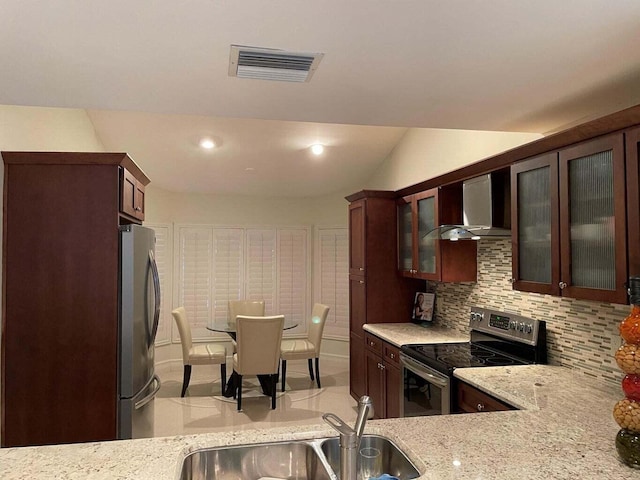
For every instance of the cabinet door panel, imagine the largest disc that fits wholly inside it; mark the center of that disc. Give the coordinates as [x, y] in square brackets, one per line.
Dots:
[633, 199]
[375, 383]
[535, 230]
[128, 193]
[593, 220]
[405, 236]
[393, 392]
[357, 378]
[357, 237]
[357, 304]
[426, 222]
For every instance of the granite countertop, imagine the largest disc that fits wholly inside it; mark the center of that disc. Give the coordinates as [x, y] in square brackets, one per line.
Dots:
[400, 334]
[565, 430]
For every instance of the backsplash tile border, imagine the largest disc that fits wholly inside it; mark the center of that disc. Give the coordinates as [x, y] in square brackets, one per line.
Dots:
[582, 335]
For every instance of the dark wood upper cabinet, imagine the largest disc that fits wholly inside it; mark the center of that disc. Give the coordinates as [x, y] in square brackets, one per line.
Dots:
[535, 231]
[632, 137]
[593, 236]
[421, 253]
[569, 222]
[357, 239]
[131, 195]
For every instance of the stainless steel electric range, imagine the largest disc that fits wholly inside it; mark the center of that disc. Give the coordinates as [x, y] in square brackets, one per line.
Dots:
[497, 339]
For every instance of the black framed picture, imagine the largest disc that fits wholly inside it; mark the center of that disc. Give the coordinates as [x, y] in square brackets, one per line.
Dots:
[423, 306]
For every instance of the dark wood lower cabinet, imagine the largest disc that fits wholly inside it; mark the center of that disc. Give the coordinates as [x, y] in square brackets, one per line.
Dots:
[383, 376]
[472, 400]
[357, 378]
[375, 383]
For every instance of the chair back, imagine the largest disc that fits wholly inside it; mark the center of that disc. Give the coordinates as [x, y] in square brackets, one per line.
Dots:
[180, 316]
[248, 308]
[318, 318]
[259, 341]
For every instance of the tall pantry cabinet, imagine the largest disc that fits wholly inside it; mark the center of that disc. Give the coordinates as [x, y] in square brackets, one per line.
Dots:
[60, 292]
[377, 291]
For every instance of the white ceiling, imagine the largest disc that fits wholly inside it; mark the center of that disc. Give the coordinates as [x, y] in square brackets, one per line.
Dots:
[513, 65]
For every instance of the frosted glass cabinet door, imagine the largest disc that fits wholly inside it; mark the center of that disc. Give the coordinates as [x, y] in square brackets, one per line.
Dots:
[534, 187]
[426, 208]
[592, 219]
[405, 236]
[632, 138]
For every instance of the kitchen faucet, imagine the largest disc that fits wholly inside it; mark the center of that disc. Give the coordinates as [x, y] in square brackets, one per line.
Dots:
[350, 437]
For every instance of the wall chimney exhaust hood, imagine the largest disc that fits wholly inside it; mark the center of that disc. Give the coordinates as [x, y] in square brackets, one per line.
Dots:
[486, 208]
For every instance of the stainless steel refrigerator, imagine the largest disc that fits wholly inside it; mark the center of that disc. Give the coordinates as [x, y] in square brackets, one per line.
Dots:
[138, 324]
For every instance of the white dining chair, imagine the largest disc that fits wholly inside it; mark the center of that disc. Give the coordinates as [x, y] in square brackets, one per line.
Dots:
[258, 353]
[308, 348]
[199, 354]
[250, 308]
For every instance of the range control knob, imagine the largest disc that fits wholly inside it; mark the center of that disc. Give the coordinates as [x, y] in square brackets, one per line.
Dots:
[521, 326]
[529, 328]
[513, 325]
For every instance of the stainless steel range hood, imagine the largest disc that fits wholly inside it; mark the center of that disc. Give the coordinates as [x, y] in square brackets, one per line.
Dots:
[486, 208]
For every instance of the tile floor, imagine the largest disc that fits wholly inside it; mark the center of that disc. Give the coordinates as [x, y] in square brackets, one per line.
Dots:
[204, 410]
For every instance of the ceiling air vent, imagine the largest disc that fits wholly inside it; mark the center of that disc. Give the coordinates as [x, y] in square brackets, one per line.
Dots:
[272, 64]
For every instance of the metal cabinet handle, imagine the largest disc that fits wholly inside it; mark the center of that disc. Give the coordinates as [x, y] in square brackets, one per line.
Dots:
[372, 344]
[392, 355]
[562, 285]
[513, 280]
[480, 407]
[138, 209]
[360, 281]
[361, 269]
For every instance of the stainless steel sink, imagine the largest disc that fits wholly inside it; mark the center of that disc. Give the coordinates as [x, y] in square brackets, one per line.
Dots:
[305, 459]
[286, 460]
[377, 455]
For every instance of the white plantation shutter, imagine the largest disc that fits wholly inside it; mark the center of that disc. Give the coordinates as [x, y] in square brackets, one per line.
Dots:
[163, 260]
[227, 269]
[332, 278]
[260, 276]
[215, 264]
[292, 276]
[195, 261]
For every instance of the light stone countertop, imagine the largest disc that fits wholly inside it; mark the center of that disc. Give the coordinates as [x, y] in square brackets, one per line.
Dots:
[400, 334]
[566, 431]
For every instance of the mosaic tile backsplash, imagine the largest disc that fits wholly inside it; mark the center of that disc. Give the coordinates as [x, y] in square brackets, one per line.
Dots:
[580, 334]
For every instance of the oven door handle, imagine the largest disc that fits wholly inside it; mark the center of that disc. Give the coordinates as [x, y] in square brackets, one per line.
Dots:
[424, 371]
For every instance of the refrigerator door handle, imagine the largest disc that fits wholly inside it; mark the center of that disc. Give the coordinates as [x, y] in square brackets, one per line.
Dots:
[141, 403]
[156, 290]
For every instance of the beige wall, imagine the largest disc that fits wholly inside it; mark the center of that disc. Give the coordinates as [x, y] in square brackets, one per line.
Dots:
[47, 129]
[164, 206]
[424, 153]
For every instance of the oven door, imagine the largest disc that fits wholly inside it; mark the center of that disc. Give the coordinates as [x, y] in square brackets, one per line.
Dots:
[425, 391]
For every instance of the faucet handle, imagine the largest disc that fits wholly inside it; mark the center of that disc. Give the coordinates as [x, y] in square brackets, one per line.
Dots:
[337, 423]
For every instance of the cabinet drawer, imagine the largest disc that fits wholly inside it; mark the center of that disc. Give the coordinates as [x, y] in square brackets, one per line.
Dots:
[471, 400]
[373, 343]
[391, 354]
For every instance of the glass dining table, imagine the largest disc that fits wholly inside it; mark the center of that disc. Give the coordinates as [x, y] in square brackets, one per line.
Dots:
[230, 329]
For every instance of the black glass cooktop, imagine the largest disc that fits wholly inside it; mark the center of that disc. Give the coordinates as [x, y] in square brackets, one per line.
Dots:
[445, 357]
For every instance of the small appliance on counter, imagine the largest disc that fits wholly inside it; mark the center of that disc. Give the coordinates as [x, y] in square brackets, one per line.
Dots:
[497, 339]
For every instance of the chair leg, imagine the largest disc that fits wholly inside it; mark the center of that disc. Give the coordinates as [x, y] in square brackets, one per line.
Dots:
[274, 386]
[317, 371]
[223, 377]
[239, 392]
[185, 379]
[284, 373]
[310, 362]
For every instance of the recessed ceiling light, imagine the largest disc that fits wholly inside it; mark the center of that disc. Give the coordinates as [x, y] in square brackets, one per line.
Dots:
[317, 149]
[207, 143]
